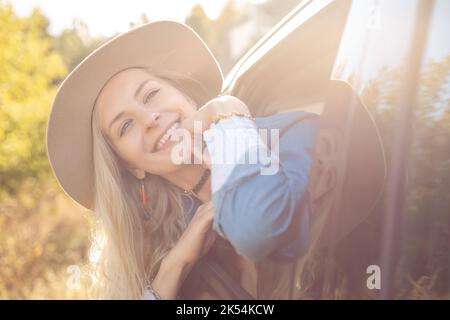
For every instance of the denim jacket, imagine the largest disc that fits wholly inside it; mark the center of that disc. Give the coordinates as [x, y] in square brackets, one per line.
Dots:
[262, 215]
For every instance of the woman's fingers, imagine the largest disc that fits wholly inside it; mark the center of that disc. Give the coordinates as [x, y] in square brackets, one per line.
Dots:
[205, 206]
[191, 130]
[193, 126]
[207, 209]
[205, 213]
[199, 121]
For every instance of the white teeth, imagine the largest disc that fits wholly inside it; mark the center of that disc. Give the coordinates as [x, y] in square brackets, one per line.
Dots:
[166, 135]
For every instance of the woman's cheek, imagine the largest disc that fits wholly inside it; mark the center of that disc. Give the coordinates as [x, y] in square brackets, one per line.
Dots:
[133, 152]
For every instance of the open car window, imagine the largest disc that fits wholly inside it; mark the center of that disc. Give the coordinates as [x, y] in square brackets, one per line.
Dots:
[293, 62]
[371, 44]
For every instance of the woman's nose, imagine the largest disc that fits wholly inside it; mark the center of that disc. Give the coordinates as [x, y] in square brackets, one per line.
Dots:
[152, 119]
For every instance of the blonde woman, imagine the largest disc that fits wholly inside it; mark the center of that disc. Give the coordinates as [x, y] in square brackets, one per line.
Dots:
[111, 145]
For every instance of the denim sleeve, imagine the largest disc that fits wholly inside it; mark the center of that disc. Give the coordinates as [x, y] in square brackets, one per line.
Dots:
[261, 215]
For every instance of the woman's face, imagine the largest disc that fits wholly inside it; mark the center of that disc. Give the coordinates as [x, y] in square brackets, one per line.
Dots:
[135, 111]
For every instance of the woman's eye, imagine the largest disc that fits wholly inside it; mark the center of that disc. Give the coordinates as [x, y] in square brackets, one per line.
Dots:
[150, 95]
[124, 127]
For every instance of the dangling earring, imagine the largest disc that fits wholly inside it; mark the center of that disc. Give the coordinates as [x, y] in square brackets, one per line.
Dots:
[144, 201]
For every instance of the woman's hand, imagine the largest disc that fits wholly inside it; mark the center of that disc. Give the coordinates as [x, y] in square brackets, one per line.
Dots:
[207, 113]
[195, 241]
[198, 237]
[202, 119]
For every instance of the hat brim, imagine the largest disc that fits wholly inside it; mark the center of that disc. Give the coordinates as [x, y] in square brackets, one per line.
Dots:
[161, 45]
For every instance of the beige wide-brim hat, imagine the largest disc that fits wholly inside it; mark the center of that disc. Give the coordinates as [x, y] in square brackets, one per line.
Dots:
[161, 45]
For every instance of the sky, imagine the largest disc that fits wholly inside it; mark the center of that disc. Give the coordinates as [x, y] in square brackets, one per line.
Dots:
[106, 18]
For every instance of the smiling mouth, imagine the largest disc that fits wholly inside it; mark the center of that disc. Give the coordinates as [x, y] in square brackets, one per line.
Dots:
[166, 136]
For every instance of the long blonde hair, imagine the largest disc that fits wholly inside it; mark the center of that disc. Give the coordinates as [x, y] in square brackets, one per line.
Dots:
[126, 249]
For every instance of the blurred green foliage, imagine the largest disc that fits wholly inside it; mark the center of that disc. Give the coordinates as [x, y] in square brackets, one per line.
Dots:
[425, 250]
[41, 232]
[423, 264]
[29, 68]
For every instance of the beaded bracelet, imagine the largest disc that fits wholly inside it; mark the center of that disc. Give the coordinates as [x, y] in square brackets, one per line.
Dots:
[227, 115]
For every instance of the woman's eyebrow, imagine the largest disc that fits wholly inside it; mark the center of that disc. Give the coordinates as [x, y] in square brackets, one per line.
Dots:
[139, 88]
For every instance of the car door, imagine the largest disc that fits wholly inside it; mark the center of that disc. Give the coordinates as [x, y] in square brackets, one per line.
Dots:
[386, 50]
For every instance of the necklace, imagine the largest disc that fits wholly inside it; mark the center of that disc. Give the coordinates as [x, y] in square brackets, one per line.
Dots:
[199, 184]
